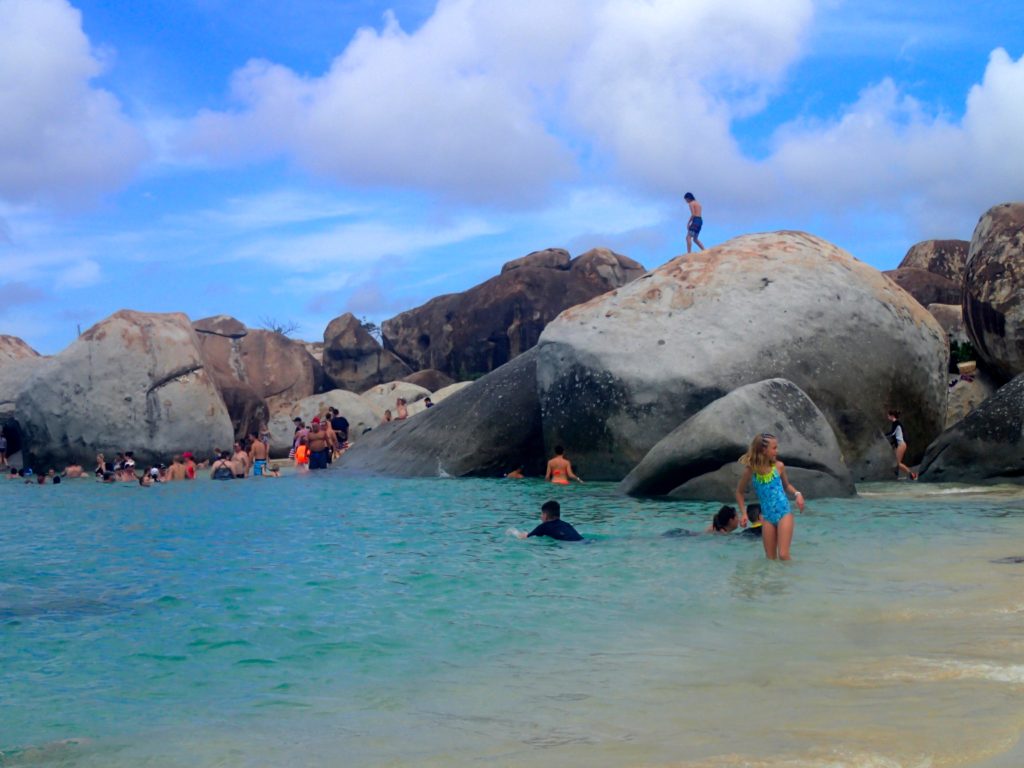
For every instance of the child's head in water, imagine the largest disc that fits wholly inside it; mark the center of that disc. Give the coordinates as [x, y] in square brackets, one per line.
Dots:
[762, 454]
[550, 510]
[725, 520]
[754, 513]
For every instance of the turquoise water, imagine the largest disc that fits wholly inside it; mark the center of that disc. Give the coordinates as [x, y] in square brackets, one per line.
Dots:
[319, 621]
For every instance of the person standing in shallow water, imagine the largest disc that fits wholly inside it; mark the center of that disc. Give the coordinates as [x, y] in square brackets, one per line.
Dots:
[695, 223]
[899, 445]
[762, 466]
[559, 469]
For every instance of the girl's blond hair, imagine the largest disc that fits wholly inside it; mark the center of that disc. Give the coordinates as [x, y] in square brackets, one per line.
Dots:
[756, 456]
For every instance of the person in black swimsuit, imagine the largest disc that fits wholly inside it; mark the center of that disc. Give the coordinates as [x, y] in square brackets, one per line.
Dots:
[553, 525]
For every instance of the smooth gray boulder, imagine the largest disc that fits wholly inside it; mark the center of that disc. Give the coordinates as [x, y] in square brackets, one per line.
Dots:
[699, 459]
[135, 381]
[993, 290]
[483, 430]
[619, 372]
[986, 446]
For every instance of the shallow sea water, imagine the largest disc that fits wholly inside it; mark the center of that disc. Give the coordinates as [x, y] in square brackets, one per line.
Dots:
[316, 621]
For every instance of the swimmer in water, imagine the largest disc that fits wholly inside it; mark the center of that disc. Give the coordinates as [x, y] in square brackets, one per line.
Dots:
[725, 521]
[754, 518]
[559, 469]
[552, 524]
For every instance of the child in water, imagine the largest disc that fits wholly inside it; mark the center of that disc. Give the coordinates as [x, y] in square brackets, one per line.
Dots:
[754, 518]
[768, 474]
[724, 521]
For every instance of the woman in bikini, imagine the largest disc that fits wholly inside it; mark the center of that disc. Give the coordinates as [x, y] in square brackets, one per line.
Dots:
[559, 469]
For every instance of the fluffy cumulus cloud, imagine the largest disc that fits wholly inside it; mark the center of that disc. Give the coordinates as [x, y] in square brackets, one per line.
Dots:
[61, 138]
[889, 149]
[493, 101]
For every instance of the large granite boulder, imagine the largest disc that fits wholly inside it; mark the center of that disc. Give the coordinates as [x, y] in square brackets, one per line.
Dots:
[354, 360]
[135, 381]
[993, 295]
[967, 393]
[361, 417]
[940, 257]
[272, 367]
[986, 446]
[951, 318]
[485, 429]
[618, 373]
[383, 396]
[430, 379]
[926, 287]
[468, 334]
[13, 348]
[699, 458]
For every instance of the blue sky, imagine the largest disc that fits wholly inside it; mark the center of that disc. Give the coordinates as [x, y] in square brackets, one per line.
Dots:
[299, 160]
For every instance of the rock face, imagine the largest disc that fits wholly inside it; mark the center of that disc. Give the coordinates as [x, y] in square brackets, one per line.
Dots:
[468, 334]
[993, 295]
[986, 446]
[354, 360]
[135, 381]
[13, 348]
[951, 318]
[255, 369]
[430, 379]
[926, 287]
[699, 458]
[359, 414]
[383, 396]
[618, 373]
[946, 258]
[966, 393]
[485, 429]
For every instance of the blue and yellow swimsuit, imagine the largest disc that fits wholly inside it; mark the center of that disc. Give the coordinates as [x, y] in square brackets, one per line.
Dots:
[771, 494]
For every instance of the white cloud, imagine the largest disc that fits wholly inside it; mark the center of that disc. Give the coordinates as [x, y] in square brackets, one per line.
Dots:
[888, 151]
[60, 138]
[81, 274]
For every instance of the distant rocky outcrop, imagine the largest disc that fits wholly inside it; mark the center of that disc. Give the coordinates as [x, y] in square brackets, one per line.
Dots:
[986, 446]
[255, 369]
[618, 373]
[485, 429]
[951, 318]
[356, 361]
[993, 295]
[945, 258]
[468, 334]
[699, 459]
[430, 379]
[926, 287]
[13, 348]
[135, 381]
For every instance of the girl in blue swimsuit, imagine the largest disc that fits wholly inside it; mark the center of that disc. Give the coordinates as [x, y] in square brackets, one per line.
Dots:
[768, 475]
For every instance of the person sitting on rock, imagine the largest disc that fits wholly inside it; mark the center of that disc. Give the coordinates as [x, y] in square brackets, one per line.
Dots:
[387, 415]
[401, 409]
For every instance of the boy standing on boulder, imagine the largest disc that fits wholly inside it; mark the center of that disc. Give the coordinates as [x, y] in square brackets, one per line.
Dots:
[695, 223]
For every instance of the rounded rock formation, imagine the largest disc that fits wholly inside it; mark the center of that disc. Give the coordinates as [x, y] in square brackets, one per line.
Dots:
[13, 348]
[361, 417]
[354, 360]
[618, 373]
[993, 295]
[940, 257]
[926, 287]
[135, 381]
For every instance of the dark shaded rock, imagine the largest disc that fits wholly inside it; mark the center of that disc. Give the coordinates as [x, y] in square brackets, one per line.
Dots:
[699, 458]
[926, 287]
[221, 325]
[945, 258]
[951, 318]
[985, 446]
[468, 334]
[484, 430]
[618, 373]
[430, 379]
[135, 381]
[354, 360]
[993, 295]
[1012, 560]
[248, 411]
[13, 348]
[549, 258]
